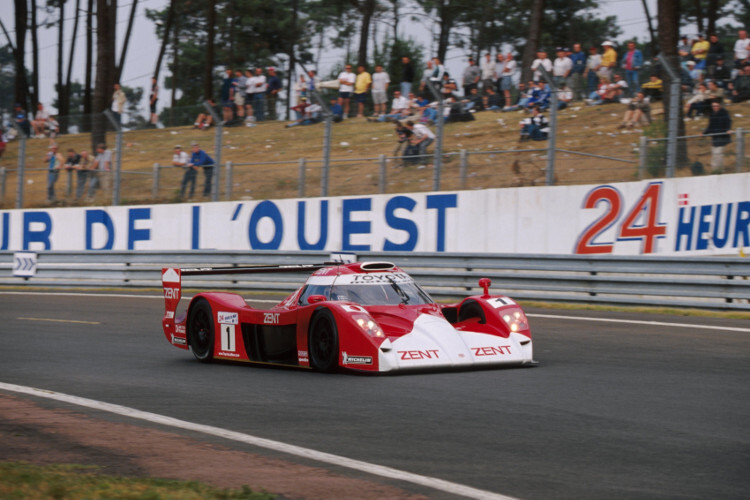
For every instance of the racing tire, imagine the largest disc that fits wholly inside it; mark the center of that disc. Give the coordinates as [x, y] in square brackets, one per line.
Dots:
[323, 342]
[200, 331]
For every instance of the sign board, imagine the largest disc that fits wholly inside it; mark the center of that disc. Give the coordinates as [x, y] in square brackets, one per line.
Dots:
[24, 264]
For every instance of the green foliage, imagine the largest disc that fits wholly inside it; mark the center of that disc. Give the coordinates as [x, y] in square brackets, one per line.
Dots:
[7, 78]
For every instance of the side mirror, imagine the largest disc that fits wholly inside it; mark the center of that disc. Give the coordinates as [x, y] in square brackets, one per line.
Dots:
[485, 284]
[312, 299]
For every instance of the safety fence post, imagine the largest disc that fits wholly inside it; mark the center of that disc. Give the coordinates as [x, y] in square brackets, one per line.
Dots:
[301, 177]
[155, 183]
[643, 152]
[740, 133]
[381, 180]
[463, 166]
[228, 171]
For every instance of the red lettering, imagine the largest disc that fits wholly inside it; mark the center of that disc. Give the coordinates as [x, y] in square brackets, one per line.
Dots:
[491, 350]
[412, 355]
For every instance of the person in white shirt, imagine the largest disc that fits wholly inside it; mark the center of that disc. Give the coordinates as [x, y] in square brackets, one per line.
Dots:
[561, 67]
[380, 81]
[422, 137]
[489, 71]
[506, 76]
[399, 108]
[741, 48]
[256, 87]
[438, 70]
[543, 61]
[180, 159]
[346, 87]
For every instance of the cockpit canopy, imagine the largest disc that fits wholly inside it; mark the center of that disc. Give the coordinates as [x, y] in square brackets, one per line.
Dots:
[367, 289]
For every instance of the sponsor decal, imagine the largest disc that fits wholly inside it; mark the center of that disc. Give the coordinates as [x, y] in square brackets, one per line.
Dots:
[354, 309]
[356, 360]
[171, 293]
[228, 318]
[169, 314]
[499, 350]
[227, 338]
[416, 355]
[179, 328]
[374, 279]
[302, 357]
[228, 354]
[271, 318]
[170, 276]
[499, 302]
[178, 340]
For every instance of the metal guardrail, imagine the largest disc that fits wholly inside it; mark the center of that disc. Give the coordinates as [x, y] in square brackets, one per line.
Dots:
[694, 282]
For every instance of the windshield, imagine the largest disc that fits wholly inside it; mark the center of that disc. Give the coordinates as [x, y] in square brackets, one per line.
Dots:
[378, 289]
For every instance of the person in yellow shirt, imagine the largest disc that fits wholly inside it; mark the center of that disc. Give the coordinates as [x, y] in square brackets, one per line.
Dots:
[699, 51]
[609, 60]
[361, 86]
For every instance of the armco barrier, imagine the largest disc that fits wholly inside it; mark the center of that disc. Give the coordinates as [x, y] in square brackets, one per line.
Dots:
[696, 282]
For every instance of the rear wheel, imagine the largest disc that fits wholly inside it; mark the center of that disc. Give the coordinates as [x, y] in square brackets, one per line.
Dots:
[200, 330]
[323, 342]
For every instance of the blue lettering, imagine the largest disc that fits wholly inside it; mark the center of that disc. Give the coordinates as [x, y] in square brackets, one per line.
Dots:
[301, 241]
[349, 227]
[401, 224]
[40, 236]
[704, 227]
[6, 231]
[266, 209]
[136, 214]
[195, 242]
[684, 228]
[741, 226]
[441, 202]
[720, 241]
[98, 216]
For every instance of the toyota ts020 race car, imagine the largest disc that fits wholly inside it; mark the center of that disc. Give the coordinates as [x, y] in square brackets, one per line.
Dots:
[365, 316]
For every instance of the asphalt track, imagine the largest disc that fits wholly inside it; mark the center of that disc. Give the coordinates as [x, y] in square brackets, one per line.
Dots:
[615, 409]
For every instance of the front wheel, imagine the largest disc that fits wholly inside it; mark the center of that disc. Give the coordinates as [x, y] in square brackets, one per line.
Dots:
[200, 330]
[323, 342]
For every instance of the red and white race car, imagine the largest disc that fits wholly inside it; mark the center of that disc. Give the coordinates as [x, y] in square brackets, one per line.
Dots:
[365, 316]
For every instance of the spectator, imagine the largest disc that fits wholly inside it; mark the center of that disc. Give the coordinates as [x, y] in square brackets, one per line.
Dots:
[312, 83]
[227, 96]
[600, 95]
[54, 164]
[715, 51]
[404, 137]
[609, 60]
[564, 96]
[83, 170]
[575, 80]
[380, 81]
[540, 96]
[719, 128]
[683, 48]
[362, 84]
[39, 123]
[506, 76]
[399, 109]
[739, 88]
[337, 112]
[102, 171]
[422, 137]
[741, 48]
[524, 94]
[300, 88]
[249, 94]
[199, 158]
[474, 102]
[153, 97]
[204, 120]
[631, 62]
[273, 88]
[535, 127]
[407, 75]
[72, 162]
[639, 110]
[488, 70]
[22, 123]
[3, 140]
[561, 67]
[618, 89]
[438, 70]
[426, 74]
[716, 92]
[493, 100]
[722, 73]
[471, 77]
[240, 89]
[540, 61]
[308, 114]
[699, 103]
[118, 102]
[181, 160]
[258, 91]
[346, 87]
[448, 86]
[694, 74]
[699, 52]
[300, 109]
[591, 73]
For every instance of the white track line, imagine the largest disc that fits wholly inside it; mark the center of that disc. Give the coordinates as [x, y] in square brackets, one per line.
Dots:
[641, 322]
[378, 470]
[117, 295]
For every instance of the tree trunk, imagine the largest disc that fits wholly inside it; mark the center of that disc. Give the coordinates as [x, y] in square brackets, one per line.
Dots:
[292, 57]
[34, 56]
[123, 53]
[105, 67]
[713, 12]
[208, 74]
[165, 39]
[60, 64]
[446, 23]
[699, 15]
[88, 107]
[367, 9]
[21, 89]
[669, 36]
[535, 33]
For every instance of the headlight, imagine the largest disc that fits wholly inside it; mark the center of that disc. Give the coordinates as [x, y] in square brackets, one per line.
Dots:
[368, 325]
[516, 320]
